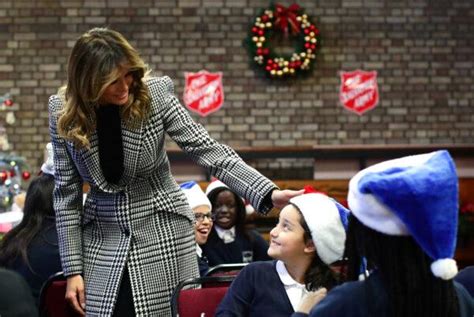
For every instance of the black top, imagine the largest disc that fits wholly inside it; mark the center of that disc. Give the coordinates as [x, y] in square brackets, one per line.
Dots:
[203, 265]
[43, 258]
[109, 132]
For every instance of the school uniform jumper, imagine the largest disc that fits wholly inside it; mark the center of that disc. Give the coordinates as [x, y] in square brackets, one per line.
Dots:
[218, 252]
[369, 298]
[256, 291]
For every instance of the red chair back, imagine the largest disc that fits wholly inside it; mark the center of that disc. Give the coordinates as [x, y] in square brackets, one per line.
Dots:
[52, 298]
[201, 301]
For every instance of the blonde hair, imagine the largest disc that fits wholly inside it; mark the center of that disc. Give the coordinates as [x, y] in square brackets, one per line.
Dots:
[94, 64]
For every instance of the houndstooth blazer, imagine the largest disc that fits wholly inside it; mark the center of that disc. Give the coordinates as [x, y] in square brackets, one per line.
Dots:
[144, 222]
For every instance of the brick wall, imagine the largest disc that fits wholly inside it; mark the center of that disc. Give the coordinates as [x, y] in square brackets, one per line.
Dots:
[422, 50]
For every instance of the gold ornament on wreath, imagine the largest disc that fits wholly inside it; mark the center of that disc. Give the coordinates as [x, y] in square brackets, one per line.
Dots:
[288, 21]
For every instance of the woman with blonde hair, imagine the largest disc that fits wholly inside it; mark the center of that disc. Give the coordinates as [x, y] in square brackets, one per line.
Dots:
[125, 250]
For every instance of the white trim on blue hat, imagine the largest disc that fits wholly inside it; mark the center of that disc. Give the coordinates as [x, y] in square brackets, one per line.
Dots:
[326, 220]
[414, 195]
[195, 195]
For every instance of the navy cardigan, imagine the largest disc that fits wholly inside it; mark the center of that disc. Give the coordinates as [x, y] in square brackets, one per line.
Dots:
[369, 298]
[218, 252]
[256, 291]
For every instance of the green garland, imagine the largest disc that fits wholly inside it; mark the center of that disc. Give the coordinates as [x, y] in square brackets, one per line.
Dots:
[281, 19]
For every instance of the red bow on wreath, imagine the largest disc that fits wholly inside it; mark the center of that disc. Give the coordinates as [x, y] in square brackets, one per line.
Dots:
[285, 16]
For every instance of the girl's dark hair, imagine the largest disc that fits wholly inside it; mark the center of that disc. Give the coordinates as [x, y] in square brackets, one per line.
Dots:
[241, 213]
[404, 268]
[318, 273]
[38, 206]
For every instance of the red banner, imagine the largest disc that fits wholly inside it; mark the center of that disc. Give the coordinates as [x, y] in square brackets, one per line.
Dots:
[203, 92]
[359, 91]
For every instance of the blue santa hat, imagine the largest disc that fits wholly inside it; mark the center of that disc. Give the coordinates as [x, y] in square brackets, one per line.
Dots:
[416, 196]
[327, 221]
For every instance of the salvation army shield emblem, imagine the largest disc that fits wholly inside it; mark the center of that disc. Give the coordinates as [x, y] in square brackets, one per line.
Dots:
[203, 92]
[359, 91]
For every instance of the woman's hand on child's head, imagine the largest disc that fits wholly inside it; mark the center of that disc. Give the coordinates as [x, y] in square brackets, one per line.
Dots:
[311, 299]
[280, 198]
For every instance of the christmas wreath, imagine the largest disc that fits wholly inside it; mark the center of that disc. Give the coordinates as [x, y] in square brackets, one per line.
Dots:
[279, 20]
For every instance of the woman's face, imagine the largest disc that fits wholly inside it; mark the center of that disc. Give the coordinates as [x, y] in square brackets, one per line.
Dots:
[287, 238]
[225, 210]
[118, 91]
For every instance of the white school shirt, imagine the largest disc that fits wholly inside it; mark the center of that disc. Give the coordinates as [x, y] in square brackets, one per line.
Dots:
[198, 250]
[226, 235]
[294, 290]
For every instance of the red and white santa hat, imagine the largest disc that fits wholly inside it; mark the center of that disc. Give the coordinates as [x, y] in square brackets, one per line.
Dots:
[327, 221]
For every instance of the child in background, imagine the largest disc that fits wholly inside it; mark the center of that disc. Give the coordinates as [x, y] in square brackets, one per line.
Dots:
[308, 238]
[404, 220]
[229, 241]
[465, 277]
[31, 248]
[201, 207]
[15, 296]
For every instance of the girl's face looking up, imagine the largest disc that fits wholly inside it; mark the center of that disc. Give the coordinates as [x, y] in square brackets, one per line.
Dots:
[287, 238]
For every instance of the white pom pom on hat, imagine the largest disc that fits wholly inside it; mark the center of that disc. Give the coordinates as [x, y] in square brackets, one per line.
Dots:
[444, 268]
[415, 195]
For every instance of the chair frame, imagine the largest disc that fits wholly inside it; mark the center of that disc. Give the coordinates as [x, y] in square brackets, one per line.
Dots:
[213, 280]
[226, 267]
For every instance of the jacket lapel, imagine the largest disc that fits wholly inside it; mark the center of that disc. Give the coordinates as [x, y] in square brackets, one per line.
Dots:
[91, 160]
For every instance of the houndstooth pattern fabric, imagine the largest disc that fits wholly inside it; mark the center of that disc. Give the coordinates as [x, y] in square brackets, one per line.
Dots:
[144, 221]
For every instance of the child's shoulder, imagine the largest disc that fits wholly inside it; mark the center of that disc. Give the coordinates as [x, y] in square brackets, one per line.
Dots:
[259, 267]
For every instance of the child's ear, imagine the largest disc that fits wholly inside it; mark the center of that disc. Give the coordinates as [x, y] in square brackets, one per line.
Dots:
[310, 247]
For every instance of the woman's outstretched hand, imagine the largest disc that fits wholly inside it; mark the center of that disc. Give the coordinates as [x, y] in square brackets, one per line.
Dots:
[280, 198]
[75, 293]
